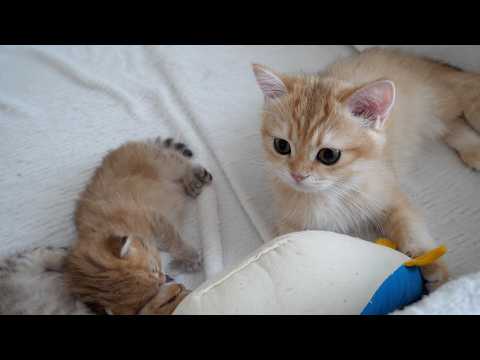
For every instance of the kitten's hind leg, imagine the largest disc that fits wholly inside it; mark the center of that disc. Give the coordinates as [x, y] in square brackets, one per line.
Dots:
[465, 141]
[195, 179]
[185, 257]
[174, 160]
[169, 143]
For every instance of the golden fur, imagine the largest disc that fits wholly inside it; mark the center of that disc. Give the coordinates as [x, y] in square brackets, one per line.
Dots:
[412, 98]
[134, 202]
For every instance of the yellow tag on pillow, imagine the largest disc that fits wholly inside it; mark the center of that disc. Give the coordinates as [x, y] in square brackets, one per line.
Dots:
[387, 243]
[427, 258]
[422, 260]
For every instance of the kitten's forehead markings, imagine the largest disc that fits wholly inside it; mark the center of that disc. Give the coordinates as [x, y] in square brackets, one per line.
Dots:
[315, 136]
[327, 138]
[310, 110]
[318, 126]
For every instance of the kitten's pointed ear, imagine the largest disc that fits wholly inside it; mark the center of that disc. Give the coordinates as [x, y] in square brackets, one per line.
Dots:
[373, 102]
[270, 83]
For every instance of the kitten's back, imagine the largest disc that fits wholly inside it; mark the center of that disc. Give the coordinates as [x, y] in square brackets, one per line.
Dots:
[426, 91]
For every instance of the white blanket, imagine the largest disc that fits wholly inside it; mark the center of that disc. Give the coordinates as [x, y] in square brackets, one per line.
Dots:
[63, 107]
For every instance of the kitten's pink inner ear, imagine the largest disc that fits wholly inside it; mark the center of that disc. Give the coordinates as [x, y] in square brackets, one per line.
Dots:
[270, 83]
[373, 102]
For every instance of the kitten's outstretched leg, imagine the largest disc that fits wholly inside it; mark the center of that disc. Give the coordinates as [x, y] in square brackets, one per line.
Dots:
[174, 160]
[466, 141]
[186, 258]
[405, 226]
[176, 165]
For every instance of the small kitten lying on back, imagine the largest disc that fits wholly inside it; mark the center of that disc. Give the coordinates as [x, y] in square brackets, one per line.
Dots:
[32, 283]
[134, 203]
[335, 141]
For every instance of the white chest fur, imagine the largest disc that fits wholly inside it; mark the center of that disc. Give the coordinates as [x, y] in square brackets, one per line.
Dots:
[330, 212]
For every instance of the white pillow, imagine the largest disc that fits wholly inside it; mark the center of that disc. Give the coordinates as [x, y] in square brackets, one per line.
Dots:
[310, 272]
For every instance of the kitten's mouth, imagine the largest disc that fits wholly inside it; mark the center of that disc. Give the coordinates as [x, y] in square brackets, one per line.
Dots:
[306, 187]
[307, 184]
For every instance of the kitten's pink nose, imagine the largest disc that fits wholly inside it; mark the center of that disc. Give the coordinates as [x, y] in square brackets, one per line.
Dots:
[298, 177]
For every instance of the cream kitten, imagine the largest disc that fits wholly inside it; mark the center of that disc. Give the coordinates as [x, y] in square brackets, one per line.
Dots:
[334, 142]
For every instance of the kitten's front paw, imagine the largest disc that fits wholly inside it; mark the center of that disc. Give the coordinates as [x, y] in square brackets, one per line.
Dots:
[435, 275]
[191, 262]
[200, 177]
[166, 300]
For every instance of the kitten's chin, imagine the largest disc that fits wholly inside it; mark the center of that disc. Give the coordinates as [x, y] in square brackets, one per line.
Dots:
[307, 189]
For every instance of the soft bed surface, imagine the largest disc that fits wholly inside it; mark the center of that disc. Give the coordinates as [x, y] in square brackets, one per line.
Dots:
[63, 107]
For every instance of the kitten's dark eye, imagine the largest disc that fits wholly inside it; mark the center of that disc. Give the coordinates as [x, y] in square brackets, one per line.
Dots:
[281, 146]
[328, 156]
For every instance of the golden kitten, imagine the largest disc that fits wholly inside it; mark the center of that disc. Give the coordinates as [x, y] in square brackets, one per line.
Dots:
[134, 203]
[335, 142]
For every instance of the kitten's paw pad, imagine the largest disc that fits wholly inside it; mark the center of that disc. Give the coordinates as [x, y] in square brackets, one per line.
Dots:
[192, 263]
[187, 153]
[184, 150]
[471, 159]
[201, 177]
[169, 143]
[435, 275]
